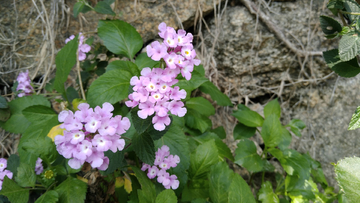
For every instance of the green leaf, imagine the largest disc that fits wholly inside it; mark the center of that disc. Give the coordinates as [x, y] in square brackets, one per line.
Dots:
[13, 163]
[296, 125]
[26, 176]
[110, 87]
[189, 85]
[239, 191]
[140, 124]
[155, 134]
[292, 162]
[355, 120]
[220, 98]
[144, 148]
[220, 131]
[285, 139]
[248, 117]
[147, 186]
[335, 6]
[223, 149]
[124, 65]
[316, 170]
[4, 114]
[72, 190]
[329, 25]
[49, 197]
[266, 193]
[202, 158]
[143, 61]
[220, 178]
[116, 160]
[195, 189]
[349, 47]
[299, 188]
[17, 122]
[120, 37]
[65, 60]
[166, 196]
[200, 69]
[14, 192]
[194, 119]
[242, 131]
[342, 68]
[176, 140]
[271, 131]
[273, 107]
[348, 177]
[247, 157]
[3, 103]
[352, 6]
[201, 105]
[104, 8]
[78, 7]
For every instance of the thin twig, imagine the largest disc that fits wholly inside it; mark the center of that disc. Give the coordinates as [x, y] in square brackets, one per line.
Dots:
[266, 20]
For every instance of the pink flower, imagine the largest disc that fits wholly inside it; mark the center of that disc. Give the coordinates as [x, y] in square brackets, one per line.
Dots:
[156, 50]
[160, 122]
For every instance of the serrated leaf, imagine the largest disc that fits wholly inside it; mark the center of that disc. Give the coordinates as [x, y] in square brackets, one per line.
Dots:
[299, 188]
[201, 105]
[349, 47]
[197, 189]
[342, 68]
[189, 85]
[65, 60]
[13, 163]
[78, 7]
[120, 37]
[176, 140]
[242, 131]
[140, 124]
[292, 162]
[352, 6]
[348, 177]
[14, 192]
[144, 148]
[220, 178]
[116, 160]
[239, 191]
[329, 25]
[194, 119]
[49, 197]
[285, 139]
[110, 87]
[271, 131]
[17, 123]
[166, 196]
[220, 98]
[248, 117]
[26, 176]
[222, 148]
[3, 103]
[247, 156]
[143, 61]
[273, 107]
[296, 125]
[148, 188]
[355, 120]
[266, 193]
[202, 158]
[124, 65]
[104, 8]
[220, 132]
[71, 190]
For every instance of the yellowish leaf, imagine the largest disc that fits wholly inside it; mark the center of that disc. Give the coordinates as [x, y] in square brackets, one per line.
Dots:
[56, 130]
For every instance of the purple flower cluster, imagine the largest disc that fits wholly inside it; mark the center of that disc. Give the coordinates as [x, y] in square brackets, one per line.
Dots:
[89, 133]
[153, 91]
[176, 50]
[38, 166]
[154, 94]
[4, 172]
[163, 161]
[83, 48]
[24, 84]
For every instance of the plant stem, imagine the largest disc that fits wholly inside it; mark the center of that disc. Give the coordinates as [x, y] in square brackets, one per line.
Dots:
[351, 13]
[78, 72]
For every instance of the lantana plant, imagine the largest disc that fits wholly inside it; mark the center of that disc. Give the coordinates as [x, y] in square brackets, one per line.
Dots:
[138, 128]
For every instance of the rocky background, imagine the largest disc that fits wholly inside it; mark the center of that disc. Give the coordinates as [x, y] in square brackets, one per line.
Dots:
[254, 51]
